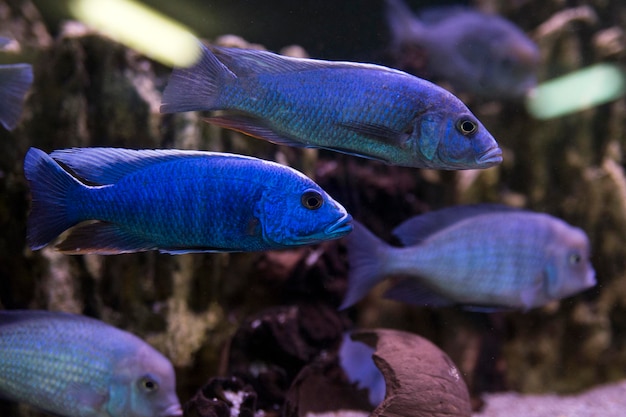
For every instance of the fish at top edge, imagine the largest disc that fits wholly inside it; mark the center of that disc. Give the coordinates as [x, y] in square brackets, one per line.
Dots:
[15, 81]
[483, 54]
[175, 202]
[76, 366]
[483, 257]
[360, 109]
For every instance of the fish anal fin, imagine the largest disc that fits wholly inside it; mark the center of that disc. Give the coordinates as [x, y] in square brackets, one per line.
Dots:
[252, 126]
[411, 291]
[102, 238]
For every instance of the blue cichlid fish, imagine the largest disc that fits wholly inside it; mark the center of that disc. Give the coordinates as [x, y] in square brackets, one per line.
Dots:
[15, 81]
[476, 52]
[76, 366]
[360, 109]
[485, 257]
[174, 201]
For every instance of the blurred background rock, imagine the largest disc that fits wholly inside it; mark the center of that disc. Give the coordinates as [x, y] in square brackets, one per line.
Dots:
[91, 91]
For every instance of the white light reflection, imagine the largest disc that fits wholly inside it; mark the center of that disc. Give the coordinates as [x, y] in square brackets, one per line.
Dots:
[140, 28]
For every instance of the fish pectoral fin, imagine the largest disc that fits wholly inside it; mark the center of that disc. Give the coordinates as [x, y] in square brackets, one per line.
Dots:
[90, 402]
[104, 239]
[252, 126]
[529, 295]
[411, 291]
[378, 132]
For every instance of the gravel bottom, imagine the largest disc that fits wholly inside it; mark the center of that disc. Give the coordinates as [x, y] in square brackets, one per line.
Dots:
[603, 401]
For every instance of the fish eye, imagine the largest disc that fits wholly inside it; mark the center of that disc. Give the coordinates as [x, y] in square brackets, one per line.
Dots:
[312, 200]
[466, 127]
[148, 384]
[574, 258]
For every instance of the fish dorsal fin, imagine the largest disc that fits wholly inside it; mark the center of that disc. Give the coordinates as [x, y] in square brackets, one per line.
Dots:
[250, 62]
[437, 14]
[9, 317]
[417, 229]
[108, 165]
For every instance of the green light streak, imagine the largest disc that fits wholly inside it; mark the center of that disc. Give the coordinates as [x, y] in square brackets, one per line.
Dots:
[577, 91]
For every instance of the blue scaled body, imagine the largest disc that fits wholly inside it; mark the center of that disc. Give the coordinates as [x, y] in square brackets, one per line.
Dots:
[174, 201]
[15, 81]
[75, 366]
[485, 257]
[360, 109]
[476, 52]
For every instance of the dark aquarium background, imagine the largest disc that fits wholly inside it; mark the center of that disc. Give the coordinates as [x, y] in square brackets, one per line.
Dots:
[263, 317]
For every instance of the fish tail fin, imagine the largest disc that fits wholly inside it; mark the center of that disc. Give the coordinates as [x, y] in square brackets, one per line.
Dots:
[49, 185]
[403, 24]
[15, 80]
[364, 257]
[197, 87]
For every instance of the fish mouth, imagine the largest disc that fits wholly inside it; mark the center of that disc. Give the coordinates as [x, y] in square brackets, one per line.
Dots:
[341, 227]
[490, 158]
[174, 410]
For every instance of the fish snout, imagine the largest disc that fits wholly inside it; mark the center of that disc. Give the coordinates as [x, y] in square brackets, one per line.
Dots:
[490, 158]
[590, 280]
[341, 227]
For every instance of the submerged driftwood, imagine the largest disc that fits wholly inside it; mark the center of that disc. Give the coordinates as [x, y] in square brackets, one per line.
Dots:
[91, 91]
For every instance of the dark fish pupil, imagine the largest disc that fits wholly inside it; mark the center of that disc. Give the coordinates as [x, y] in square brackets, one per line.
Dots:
[149, 384]
[312, 200]
[575, 258]
[467, 127]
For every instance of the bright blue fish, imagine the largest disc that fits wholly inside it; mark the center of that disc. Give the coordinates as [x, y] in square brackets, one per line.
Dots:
[359, 109]
[476, 52]
[15, 81]
[174, 201]
[483, 257]
[76, 366]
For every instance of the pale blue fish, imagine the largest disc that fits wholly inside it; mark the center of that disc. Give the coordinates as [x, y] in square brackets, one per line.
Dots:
[480, 53]
[15, 81]
[483, 257]
[174, 201]
[360, 109]
[75, 366]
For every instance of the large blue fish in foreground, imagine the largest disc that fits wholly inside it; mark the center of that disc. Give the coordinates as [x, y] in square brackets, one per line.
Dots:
[476, 52]
[75, 366]
[15, 81]
[360, 109]
[485, 257]
[175, 201]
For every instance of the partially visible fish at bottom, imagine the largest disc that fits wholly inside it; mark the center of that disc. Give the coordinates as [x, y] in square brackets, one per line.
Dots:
[76, 366]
